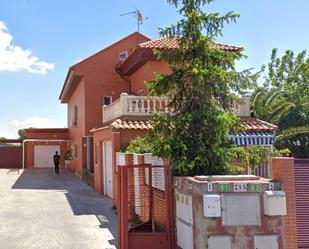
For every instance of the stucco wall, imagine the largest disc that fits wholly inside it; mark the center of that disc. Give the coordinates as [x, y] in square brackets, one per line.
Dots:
[242, 236]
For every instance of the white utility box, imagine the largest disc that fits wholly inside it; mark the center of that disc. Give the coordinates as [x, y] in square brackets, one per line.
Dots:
[274, 203]
[212, 205]
[266, 242]
[184, 207]
[184, 235]
[219, 242]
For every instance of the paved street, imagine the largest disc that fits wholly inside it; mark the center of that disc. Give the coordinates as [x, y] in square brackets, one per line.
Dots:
[39, 210]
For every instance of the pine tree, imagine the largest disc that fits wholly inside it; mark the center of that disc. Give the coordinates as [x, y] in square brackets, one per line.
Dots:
[202, 87]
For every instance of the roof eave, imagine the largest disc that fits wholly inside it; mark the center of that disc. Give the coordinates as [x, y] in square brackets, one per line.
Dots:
[69, 86]
[137, 59]
[66, 84]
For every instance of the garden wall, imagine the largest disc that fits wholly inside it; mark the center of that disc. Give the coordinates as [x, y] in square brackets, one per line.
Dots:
[11, 157]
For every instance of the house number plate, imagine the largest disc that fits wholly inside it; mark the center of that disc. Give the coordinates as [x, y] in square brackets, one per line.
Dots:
[240, 187]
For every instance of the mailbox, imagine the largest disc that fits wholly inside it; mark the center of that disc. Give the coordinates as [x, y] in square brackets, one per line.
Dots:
[212, 205]
[274, 203]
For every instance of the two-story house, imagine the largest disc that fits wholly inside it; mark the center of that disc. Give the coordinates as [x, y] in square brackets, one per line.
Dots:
[129, 115]
[89, 85]
[108, 106]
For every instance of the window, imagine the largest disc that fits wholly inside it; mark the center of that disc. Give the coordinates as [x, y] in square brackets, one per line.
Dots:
[123, 55]
[75, 112]
[107, 100]
[74, 116]
[97, 151]
[75, 150]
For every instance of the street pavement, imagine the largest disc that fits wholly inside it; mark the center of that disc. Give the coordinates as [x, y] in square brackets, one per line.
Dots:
[39, 210]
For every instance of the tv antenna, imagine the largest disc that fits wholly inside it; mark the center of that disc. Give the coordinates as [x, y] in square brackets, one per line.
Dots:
[139, 17]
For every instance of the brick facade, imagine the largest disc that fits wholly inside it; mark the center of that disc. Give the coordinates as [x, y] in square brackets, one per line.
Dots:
[45, 136]
[119, 138]
[283, 170]
[11, 157]
[149, 215]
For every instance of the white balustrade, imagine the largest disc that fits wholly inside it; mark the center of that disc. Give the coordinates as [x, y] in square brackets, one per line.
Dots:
[112, 111]
[129, 105]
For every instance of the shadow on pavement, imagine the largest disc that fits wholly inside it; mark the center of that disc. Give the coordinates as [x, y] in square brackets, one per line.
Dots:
[82, 199]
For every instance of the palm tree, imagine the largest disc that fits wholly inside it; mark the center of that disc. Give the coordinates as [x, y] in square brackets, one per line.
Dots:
[270, 104]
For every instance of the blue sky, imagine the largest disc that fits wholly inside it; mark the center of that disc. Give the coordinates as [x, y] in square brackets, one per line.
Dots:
[46, 37]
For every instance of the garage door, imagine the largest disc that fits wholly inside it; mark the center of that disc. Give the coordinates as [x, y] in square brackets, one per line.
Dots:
[43, 155]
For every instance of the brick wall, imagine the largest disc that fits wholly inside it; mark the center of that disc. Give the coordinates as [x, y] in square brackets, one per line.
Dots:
[143, 205]
[47, 133]
[160, 210]
[145, 201]
[283, 170]
[29, 151]
[11, 157]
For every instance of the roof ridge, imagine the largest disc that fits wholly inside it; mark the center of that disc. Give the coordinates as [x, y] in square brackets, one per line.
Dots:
[171, 43]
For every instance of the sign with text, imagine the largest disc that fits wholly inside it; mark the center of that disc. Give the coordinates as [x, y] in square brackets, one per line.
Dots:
[240, 187]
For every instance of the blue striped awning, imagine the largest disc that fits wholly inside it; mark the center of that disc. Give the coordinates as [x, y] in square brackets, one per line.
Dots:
[253, 138]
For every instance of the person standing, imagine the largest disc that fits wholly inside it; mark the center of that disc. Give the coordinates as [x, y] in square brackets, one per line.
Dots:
[56, 163]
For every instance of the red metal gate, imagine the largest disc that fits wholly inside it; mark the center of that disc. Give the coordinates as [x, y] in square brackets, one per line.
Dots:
[301, 170]
[145, 212]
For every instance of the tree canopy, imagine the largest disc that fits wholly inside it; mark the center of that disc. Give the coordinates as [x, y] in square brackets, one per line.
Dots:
[284, 100]
[202, 87]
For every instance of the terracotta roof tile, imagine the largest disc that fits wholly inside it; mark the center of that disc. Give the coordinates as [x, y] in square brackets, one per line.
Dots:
[172, 43]
[131, 125]
[250, 124]
[255, 125]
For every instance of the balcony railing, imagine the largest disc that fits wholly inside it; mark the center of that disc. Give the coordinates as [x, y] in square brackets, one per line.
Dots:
[129, 105]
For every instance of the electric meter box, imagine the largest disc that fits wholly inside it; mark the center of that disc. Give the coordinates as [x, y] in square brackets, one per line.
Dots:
[212, 205]
[274, 203]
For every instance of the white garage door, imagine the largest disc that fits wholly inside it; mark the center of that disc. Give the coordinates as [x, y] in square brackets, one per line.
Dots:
[43, 155]
[108, 168]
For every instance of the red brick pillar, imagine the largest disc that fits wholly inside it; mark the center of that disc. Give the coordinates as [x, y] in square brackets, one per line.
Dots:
[130, 185]
[283, 170]
[144, 195]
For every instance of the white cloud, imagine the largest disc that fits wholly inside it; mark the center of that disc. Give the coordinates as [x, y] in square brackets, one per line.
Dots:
[11, 130]
[15, 58]
[33, 122]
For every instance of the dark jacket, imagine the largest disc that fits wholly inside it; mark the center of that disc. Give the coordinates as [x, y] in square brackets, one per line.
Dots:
[56, 158]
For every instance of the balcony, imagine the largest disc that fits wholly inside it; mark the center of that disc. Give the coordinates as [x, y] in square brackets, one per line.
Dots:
[137, 106]
[143, 106]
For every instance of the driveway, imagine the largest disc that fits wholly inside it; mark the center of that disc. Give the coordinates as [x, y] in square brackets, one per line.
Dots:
[39, 210]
